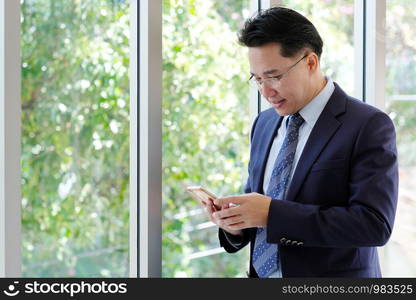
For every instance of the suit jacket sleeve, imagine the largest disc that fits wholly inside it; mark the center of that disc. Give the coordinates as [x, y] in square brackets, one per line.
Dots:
[368, 218]
[229, 242]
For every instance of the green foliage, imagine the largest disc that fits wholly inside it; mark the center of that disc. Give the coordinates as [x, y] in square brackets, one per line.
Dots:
[400, 74]
[403, 114]
[75, 138]
[205, 128]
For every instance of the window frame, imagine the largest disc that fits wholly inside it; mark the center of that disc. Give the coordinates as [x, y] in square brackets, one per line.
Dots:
[133, 72]
[149, 143]
[374, 53]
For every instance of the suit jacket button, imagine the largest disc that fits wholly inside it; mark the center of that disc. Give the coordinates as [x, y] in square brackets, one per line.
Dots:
[288, 242]
[282, 240]
[294, 243]
[300, 244]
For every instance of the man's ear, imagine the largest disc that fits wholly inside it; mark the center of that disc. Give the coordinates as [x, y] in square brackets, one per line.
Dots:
[313, 61]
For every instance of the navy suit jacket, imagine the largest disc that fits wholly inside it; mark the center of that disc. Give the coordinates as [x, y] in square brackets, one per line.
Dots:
[342, 199]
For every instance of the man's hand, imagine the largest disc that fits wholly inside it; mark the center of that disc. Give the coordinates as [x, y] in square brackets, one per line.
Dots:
[210, 208]
[251, 210]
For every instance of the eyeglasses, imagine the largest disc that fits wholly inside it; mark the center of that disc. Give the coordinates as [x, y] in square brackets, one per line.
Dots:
[272, 81]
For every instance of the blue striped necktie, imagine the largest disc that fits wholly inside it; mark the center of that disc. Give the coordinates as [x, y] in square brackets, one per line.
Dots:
[265, 255]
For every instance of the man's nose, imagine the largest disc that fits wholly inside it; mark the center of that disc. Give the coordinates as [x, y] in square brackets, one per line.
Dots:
[267, 90]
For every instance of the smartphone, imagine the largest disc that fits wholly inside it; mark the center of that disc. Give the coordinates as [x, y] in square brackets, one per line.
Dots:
[202, 195]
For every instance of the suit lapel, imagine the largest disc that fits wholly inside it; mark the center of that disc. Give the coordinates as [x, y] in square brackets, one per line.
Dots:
[269, 133]
[322, 132]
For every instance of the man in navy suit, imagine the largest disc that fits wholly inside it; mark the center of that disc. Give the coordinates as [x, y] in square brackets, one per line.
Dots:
[323, 176]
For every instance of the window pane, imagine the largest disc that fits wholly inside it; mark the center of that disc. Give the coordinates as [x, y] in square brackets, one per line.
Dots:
[205, 130]
[75, 145]
[334, 20]
[399, 255]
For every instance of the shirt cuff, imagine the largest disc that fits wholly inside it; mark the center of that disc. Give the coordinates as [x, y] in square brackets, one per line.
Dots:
[235, 240]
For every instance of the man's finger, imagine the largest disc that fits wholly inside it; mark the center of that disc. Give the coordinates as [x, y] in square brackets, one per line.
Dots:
[210, 210]
[238, 226]
[232, 220]
[228, 200]
[226, 213]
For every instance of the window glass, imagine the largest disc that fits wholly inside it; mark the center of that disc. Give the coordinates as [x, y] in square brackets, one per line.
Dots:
[75, 142]
[205, 130]
[399, 255]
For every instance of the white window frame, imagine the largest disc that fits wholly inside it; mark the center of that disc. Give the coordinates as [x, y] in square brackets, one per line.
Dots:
[149, 181]
[375, 53]
[133, 73]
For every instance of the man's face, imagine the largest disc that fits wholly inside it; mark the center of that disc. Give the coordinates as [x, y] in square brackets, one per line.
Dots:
[290, 93]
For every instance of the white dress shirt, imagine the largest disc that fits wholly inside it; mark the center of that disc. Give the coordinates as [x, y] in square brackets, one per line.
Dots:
[310, 113]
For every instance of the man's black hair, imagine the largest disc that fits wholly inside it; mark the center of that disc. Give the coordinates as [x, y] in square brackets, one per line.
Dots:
[292, 31]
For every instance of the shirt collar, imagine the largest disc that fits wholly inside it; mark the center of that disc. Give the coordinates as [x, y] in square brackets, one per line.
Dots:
[311, 112]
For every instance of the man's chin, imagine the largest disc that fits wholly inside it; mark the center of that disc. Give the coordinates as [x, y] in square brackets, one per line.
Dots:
[281, 112]
[281, 107]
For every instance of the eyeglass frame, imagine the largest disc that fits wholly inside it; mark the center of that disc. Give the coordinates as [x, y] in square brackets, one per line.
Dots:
[273, 79]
